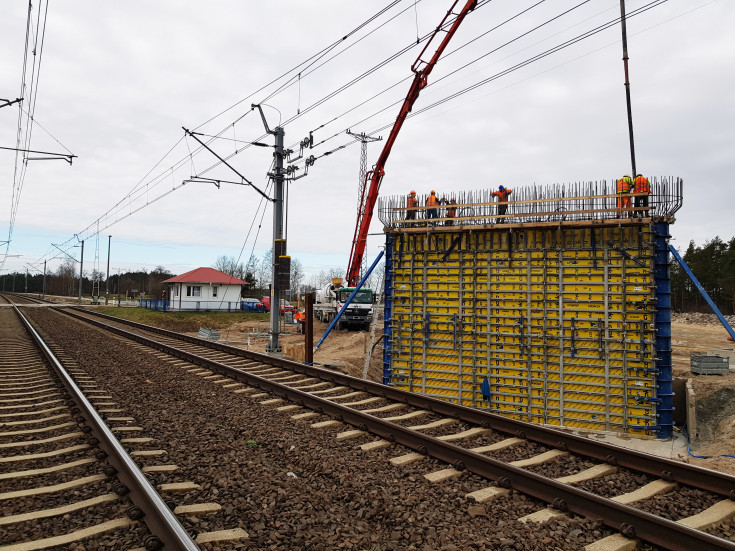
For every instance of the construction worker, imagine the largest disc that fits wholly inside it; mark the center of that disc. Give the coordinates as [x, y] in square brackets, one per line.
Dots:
[411, 205]
[432, 201]
[451, 213]
[299, 318]
[502, 195]
[622, 189]
[641, 185]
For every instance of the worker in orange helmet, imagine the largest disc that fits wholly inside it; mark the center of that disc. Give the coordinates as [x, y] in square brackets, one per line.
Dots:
[641, 186]
[502, 195]
[623, 188]
[411, 205]
[432, 201]
[451, 212]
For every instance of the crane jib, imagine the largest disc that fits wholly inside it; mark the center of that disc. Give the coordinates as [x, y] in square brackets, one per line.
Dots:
[368, 201]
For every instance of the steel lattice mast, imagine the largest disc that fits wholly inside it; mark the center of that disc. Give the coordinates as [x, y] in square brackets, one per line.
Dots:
[364, 139]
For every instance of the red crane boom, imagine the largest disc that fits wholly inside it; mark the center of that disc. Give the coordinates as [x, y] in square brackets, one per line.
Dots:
[421, 70]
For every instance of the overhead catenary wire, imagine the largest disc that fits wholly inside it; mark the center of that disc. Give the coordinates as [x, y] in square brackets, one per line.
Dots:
[440, 79]
[261, 203]
[528, 61]
[299, 66]
[145, 183]
[168, 171]
[23, 142]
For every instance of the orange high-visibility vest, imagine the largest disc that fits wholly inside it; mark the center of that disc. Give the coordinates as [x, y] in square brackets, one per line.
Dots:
[411, 201]
[502, 195]
[642, 185]
[623, 185]
[431, 201]
[451, 212]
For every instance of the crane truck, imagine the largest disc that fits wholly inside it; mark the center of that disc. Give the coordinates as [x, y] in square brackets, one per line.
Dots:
[331, 298]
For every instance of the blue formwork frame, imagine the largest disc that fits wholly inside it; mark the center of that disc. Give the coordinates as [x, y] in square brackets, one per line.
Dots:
[388, 310]
[664, 379]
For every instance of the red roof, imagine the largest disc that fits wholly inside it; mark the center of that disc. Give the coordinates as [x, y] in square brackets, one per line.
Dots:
[206, 275]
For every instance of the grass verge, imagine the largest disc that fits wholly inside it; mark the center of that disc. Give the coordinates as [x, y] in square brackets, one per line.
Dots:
[183, 322]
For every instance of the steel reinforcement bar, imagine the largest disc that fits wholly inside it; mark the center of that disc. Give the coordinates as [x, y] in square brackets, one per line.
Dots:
[166, 531]
[629, 521]
[537, 205]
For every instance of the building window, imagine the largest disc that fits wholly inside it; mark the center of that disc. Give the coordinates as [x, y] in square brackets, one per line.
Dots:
[193, 290]
[214, 291]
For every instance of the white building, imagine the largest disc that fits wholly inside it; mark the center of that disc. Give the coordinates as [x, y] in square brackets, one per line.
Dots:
[204, 289]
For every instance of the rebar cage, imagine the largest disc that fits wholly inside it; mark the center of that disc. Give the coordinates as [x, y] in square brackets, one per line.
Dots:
[577, 201]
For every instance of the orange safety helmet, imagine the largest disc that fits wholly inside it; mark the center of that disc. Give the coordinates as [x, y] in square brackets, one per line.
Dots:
[412, 192]
[433, 192]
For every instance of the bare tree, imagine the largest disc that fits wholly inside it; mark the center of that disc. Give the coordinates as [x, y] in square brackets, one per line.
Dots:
[67, 275]
[265, 269]
[230, 266]
[376, 277]
[251, 272]
[297, 275]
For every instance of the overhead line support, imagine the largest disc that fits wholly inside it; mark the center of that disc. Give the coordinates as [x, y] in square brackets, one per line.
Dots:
[278, 181]
[63, 156]
[228, 165]
[8, 103]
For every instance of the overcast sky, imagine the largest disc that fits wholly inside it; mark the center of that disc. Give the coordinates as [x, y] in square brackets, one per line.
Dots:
[118, 80]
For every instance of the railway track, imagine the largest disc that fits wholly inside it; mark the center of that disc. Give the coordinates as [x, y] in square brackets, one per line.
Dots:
[64, 475]
[665, 503]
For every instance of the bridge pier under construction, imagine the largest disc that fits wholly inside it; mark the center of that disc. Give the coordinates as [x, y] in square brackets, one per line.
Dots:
[556, 312]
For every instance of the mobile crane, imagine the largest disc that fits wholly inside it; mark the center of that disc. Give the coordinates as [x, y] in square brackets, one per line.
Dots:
[421, 70]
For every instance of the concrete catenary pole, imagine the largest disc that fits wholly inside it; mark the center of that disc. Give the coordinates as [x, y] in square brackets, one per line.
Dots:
[107, 279]
[278, 182]
[81, 268]
[44, 280]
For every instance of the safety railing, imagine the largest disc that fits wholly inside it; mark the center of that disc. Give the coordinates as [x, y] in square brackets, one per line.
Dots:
[578, 201]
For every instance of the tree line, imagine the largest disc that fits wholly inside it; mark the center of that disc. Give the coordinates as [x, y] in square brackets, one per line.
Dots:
[65, 282]
[142, 283]
[714, 266]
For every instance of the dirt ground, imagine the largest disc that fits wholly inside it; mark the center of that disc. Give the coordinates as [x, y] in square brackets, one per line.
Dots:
[343, 350]
[714, 394]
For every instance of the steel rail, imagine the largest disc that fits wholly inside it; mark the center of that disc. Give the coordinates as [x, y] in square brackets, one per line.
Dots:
[629, 521]
[162, 523]
[673, 471]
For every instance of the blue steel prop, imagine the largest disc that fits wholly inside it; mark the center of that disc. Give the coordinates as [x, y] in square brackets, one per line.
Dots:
[349, 300]
[699, 287]
[388, 309]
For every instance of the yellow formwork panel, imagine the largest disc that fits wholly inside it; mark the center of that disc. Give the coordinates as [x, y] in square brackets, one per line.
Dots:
[558, 321]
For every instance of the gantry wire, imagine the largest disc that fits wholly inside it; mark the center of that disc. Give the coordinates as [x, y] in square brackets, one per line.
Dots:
[19, 172]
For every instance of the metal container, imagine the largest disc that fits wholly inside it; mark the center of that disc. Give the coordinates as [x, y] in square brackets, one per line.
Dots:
[702, 364]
